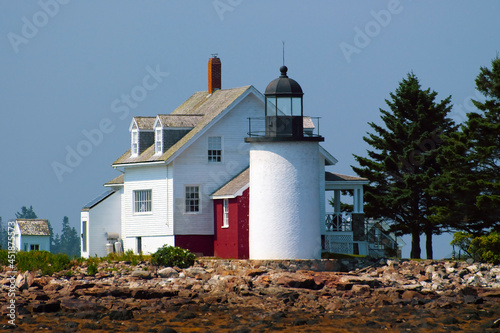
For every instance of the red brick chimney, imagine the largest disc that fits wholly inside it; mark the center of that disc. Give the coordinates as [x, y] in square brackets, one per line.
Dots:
[214, 74]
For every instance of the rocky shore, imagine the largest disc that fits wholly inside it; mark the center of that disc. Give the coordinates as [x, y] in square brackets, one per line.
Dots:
[364, 295]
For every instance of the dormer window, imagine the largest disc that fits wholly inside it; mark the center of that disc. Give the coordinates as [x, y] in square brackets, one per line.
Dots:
[142, 135]
[158, 140]
[135, 142]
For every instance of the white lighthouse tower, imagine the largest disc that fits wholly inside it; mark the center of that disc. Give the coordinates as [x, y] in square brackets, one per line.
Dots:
[284, 179]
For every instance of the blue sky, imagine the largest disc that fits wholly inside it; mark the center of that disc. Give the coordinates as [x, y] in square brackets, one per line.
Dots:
[66, 65]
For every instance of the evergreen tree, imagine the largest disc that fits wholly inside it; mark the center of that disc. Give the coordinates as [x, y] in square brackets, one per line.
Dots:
[26, 213]
[472, 203]
[51, 241]
[483, 131]
[3, 236]
[56, 248]
[403, 165]
[69, 242]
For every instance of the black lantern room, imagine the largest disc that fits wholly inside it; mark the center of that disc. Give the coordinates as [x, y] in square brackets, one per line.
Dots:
[284, 117]
[284, 107]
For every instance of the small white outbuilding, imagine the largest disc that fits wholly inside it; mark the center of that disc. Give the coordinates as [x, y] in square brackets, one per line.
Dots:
[32, 235]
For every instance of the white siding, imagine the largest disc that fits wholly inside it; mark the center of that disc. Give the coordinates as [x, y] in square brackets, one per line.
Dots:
[170, 196]
[149, 244]
[102, 218]
[192, 166]
[84, 216]
[21, 240]
[17, 237]
[42, 241]
[155, 223]
[322, 194]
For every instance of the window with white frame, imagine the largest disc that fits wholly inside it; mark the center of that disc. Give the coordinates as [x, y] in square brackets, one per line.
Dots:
[192, 202]
[142, 201]
[158, 141]
[84, 236]
[135, 143]
[225, 213]
[214, 149]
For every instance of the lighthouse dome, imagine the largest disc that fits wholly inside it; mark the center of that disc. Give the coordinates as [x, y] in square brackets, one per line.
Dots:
[283, 85]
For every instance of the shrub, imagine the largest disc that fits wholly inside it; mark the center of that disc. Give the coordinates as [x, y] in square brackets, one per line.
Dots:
[92, 264]
[44, 261]
[172, 256]
[69, 273]
[487, 248]
[463, 241]
[4, 258]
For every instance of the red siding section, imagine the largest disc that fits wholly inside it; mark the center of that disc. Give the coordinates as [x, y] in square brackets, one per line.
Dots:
[203, 244]
[232, 242]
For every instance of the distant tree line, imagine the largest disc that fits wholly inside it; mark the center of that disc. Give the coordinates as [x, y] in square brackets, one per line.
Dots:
[429, 175]
[68, 242]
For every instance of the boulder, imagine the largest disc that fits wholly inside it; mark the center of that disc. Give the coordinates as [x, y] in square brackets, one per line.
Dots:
[24, 280]
[297, 281]
[141, 274]
[360, 289]
[168, 272]
[194, 271]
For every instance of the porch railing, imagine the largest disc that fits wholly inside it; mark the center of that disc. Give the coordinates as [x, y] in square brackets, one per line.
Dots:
[379, 241]
[338, 222]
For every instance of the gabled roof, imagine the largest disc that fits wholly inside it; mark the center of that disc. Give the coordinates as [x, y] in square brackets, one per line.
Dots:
[178, 120]
[200, 103]
[143, 123]
[235, 187]
[33, 227]
[329, 159]
[97, 200]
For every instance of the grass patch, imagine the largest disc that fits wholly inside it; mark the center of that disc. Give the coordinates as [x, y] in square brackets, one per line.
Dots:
[329, 255]
[44, 261]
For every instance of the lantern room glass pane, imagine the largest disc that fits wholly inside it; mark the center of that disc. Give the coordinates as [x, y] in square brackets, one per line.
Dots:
[284, 106]
[296, 106]
[271, 106]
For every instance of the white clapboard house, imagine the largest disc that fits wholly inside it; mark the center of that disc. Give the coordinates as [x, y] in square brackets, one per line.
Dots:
[185, 181]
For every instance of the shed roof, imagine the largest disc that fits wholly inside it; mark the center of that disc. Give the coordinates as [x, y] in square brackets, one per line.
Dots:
[33, 227]
[97, 200]
[200, 103]
[234, 187]
[337, 177]
[241, 182]
[117, 181]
